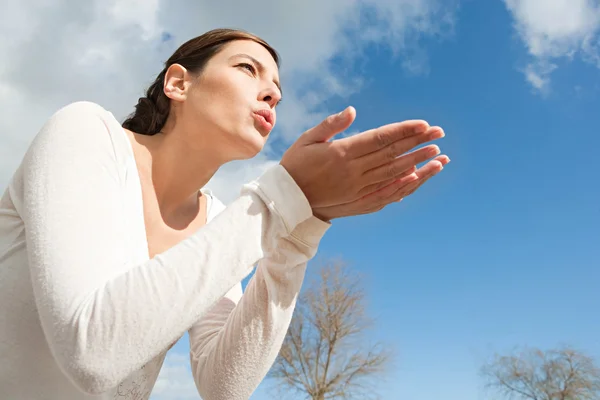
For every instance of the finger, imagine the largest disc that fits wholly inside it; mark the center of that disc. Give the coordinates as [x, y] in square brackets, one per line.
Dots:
[444, 159]
[401, 164]
[368, 203]
[401, 188]
[376, 139]
[374, 200]
[398, 148]
[374, 187]
[388, 192]
[425, 173]
[432, 167]
[330, 126]
[404, 187]
[391, 188]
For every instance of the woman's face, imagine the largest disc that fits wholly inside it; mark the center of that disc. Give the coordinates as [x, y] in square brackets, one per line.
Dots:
[233, 100]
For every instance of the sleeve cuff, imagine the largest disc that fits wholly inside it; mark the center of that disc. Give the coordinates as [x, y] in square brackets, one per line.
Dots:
[311, 231]
[283, 196]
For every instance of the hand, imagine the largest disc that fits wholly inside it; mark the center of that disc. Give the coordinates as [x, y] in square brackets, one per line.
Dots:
[401, 188]
[346, 170]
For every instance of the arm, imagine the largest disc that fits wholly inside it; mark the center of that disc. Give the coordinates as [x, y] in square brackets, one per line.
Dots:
[102, 317]
[234, 345]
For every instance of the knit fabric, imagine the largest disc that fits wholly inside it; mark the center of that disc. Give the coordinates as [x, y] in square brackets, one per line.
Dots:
[85, 313]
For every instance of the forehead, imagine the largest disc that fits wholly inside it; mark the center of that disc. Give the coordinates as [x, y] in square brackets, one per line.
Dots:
[250, 48]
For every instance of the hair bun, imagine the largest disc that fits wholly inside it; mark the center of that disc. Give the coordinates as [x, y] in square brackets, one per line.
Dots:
[145, 105]
[146, 118]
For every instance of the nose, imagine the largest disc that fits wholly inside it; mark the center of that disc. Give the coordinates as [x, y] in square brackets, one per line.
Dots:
[270, 95]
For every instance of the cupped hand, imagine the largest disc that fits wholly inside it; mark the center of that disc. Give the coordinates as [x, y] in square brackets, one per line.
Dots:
[396, 191]
[346, 171]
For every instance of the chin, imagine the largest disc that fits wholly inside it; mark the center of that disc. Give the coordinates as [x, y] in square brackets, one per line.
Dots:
[250, 145]
[252, 152]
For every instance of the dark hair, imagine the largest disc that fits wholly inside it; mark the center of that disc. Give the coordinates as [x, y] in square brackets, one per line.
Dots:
[151, 111]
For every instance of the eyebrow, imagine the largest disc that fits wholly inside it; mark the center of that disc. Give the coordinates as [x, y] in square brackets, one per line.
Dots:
[260, 66]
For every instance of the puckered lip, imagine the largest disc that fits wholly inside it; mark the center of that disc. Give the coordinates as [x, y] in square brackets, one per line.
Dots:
[266, 114]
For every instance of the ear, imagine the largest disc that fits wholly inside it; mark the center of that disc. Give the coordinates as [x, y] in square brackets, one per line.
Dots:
[177, 82]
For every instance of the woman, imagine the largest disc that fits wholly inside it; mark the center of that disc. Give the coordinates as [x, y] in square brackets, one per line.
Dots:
[111, 248]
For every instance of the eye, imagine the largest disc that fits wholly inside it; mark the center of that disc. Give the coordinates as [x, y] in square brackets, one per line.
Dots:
[248, 67]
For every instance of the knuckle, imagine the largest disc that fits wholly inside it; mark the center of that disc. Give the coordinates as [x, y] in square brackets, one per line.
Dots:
[341, 151]
[391, 151]
[391, 170]
[329, 121]
[338, 157]
[382, 139]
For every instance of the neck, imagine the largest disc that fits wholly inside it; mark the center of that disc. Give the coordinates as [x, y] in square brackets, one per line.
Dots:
[176, 169]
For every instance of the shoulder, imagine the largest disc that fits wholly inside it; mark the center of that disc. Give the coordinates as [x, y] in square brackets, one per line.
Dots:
[80, 123]
[76, 117]
[79, 111]
[82, 106]
[80, 132]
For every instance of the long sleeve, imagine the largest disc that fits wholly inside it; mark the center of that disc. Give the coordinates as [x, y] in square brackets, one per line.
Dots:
[234, 345]
[102, 317]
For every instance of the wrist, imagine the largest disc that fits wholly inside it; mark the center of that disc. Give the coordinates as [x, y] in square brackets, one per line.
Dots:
[282, 196]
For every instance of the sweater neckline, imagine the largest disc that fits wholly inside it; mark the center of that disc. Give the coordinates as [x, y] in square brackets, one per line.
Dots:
[139, 198]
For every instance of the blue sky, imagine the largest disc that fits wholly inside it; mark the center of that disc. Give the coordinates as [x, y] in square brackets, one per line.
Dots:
[501, 249]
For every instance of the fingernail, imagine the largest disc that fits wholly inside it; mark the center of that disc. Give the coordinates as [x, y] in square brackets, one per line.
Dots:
[341, 112]
[437, 132]
[433, 151]
[422, 128]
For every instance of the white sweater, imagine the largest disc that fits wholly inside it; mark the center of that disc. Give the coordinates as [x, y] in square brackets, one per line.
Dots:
[84, 312]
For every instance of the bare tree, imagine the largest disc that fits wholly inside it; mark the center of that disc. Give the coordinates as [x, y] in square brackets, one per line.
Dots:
[533, 374]
[325, 354]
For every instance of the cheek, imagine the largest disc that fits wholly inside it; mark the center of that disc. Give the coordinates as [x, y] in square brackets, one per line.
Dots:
[229, 101]
[225, 101]
[215, 107]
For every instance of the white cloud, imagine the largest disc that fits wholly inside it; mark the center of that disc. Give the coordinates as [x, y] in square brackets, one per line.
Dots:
[142, 13]
[59, 51]
[538, 75]
[175, 381]
[553, 30]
